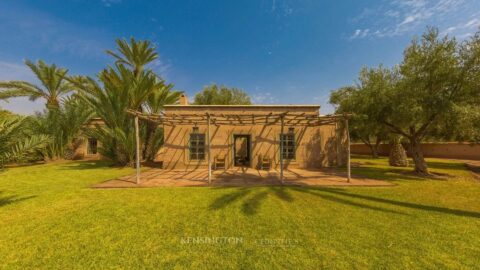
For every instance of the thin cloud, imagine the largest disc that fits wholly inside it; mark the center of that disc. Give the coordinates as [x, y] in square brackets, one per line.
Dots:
[264, 98]
[162, 68]
[401, 17]
[109, 3]
[360, 33]
[28, 26]
[463, 30]
[13, 71]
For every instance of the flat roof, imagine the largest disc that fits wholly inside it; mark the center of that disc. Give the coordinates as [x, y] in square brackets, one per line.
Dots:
[247, 106]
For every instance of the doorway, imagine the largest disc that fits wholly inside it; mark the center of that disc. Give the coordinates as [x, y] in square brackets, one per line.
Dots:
[241, 150]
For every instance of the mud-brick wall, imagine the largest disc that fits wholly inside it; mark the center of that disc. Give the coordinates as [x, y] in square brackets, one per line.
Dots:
[316, 147]
[452, 150]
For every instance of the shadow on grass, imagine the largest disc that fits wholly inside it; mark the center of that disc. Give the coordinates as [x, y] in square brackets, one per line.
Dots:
[228, 198]
[250, 205]
[446, 165]
[388, 174]
[343, 201]
[416, 206]
[86, 165]
[13, 199]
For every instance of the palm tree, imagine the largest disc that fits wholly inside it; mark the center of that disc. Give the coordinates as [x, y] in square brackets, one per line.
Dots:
[126, 85]
[161, 96]
[62, 125]
[136, 54]
[15, 143]
[117, 90]
[53, 84]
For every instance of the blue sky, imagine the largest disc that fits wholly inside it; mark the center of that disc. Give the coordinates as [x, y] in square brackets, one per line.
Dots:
[279, 51]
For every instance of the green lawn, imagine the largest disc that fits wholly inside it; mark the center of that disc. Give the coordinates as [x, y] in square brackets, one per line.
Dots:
[49, 218]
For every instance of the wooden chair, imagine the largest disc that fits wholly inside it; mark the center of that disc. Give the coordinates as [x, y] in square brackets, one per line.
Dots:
[265, 163]
[219, 162]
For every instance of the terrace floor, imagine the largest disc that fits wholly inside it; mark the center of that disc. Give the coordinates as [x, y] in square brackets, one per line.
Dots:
[240, 177]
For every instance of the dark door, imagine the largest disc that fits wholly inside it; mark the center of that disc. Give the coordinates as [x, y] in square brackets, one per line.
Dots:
[241, 150]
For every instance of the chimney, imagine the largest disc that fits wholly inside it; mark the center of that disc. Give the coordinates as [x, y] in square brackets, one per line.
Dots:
[183, 100]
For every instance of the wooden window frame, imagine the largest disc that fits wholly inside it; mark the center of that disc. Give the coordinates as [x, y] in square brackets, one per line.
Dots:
[288, 146]
[91, 151]
[197, 146]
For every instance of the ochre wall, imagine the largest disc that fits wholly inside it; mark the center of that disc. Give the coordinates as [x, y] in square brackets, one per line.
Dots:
[440, 150]
[80, 152]
[80, 144]
[315, 146]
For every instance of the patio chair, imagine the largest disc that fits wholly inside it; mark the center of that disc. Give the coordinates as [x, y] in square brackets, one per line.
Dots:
[219, 162]
[265, 163]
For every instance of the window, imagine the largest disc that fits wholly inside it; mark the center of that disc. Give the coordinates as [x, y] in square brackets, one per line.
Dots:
[287, 142]
[92, 146]
[197, 146]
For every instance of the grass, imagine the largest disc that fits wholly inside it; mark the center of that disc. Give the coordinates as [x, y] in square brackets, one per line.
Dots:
[49, 218]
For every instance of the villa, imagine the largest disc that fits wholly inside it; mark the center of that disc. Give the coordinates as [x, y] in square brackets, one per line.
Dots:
[252, 136]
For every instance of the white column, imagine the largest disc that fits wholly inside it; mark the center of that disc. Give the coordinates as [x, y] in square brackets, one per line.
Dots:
[281, 149]
[348, 149]
[137, 146]
[208, 150]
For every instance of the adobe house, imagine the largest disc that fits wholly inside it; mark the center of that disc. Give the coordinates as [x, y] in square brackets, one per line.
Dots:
[254, 136]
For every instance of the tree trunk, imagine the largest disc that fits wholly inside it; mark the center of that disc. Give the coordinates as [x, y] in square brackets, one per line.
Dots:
[375, 147]
[417, 156]
[373, 150]
[397, 157]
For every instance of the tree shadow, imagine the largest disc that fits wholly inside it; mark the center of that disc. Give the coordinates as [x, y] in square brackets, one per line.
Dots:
[446, 165]
[13, 199]
[387, 174]
[250, 205]
[228, 198]
[86, 165]
[430, 208]
[343, 201]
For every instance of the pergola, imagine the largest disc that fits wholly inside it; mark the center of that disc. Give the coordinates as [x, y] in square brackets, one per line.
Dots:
[218, 119]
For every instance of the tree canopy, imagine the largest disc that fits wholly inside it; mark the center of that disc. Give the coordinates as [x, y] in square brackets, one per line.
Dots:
[126, 85]
[53, 86]
[221, 95]
[437, 79]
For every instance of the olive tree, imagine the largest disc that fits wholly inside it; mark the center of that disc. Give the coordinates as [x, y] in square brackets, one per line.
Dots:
[435, 78]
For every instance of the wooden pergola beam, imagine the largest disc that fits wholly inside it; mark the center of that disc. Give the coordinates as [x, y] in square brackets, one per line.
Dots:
[301, 119]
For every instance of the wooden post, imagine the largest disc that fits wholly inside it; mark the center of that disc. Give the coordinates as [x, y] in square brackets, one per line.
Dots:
[348, 149]
[137, 146]
[281, 149]
[208, 150]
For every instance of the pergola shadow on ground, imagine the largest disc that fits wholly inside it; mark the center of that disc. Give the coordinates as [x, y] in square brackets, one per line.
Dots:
[240, 177]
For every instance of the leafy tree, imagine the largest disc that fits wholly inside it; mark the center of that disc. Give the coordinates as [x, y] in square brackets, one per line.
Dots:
[16, 144]
[351, 100]
[53, 84]
[221, 95]
[432, 81]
